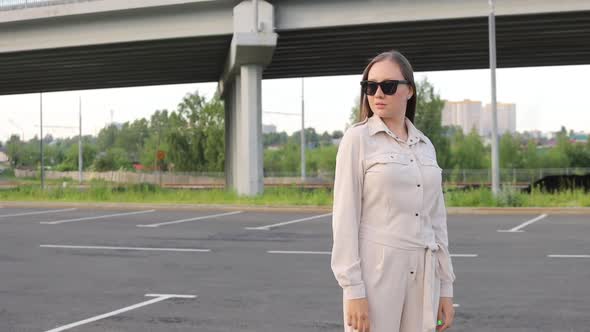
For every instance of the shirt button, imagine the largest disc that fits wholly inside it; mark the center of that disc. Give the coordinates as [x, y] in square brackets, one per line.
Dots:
[416, 214]
[418, 185]
[411, 160]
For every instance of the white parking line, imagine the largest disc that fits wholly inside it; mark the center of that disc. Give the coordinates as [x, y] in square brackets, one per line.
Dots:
[123, 248]
[190, 219]
[159, 297]
[269, 227]
[35, 212]
[95, 217]
[569, 256]
[517, 228]
[328, 253]
[299, 252]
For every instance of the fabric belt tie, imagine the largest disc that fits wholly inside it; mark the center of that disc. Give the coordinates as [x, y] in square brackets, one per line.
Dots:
[437, 262]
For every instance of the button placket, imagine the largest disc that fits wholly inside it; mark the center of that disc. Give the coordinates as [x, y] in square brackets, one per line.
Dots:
[419, 188]
[413, 267]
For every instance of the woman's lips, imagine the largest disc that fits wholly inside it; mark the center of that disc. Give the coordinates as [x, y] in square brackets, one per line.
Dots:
[378, 105]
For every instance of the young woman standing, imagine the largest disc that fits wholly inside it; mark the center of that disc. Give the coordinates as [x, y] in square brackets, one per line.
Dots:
[390, 251]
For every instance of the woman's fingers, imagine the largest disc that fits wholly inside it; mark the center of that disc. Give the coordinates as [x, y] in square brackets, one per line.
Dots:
[446, 314]
[364, 322]
[354, 323]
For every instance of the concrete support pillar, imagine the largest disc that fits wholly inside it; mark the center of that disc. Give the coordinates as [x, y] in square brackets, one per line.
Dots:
[251, 50]
[230, 99]
[249, 128]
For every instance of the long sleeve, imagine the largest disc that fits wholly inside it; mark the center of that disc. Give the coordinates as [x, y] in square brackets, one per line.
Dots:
[346, 216]
[439, 224]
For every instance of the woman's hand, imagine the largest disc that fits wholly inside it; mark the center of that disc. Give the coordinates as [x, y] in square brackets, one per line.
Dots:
[446, 313]
[357, 314]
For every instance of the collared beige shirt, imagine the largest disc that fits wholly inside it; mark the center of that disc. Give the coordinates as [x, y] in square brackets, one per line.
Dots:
[389, 190]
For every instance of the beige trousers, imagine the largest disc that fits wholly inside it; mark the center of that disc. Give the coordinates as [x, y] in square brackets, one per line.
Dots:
[394, 281]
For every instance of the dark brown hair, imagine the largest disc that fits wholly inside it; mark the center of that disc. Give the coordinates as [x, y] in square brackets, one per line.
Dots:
[408, 73]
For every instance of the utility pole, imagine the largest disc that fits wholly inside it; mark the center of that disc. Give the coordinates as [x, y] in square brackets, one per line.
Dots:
[495, 154]
[302, 131]
[80, 142]
[41, 140]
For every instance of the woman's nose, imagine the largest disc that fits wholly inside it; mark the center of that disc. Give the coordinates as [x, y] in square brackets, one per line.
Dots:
[379, 92]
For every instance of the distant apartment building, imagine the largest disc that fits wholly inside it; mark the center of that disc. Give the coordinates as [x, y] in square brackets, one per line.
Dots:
[268, 129]
[469, 114]
[465, 114]
[506, 116]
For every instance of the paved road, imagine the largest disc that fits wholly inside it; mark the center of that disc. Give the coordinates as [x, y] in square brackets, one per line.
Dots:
[255, 271]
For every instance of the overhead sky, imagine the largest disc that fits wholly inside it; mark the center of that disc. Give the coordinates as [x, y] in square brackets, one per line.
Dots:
[546, 98]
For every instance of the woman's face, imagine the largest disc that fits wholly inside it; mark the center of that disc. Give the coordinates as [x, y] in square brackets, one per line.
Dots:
[388, 105]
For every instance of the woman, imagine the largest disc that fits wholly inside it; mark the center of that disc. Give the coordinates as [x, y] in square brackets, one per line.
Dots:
[390, 251]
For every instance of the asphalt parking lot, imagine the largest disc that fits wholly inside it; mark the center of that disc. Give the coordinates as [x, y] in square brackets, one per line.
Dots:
[93, 270]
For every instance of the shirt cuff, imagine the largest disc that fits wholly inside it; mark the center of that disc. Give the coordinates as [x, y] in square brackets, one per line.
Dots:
[354, 292]
[446, 288]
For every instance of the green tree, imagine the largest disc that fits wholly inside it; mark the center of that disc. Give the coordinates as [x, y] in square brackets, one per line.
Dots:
[428, 119]
[196, 137]
[469, 151]
[112, 159]
[354, 116]
[511, 155]
[14, 150]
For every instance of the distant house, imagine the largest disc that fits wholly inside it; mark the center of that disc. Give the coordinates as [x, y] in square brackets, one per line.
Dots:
[579, 138]
[138, 167]
[3, 155]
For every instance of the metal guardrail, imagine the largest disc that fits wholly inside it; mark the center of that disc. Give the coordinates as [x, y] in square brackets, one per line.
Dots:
[6, 5]
[515, 177]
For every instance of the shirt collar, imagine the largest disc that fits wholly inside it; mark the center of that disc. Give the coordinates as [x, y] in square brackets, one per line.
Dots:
[376, 125]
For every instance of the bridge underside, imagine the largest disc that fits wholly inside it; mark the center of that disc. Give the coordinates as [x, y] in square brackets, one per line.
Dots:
[522, 40]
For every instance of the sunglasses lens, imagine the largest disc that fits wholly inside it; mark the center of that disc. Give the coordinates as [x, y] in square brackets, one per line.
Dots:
[388, 87]
[371, 88]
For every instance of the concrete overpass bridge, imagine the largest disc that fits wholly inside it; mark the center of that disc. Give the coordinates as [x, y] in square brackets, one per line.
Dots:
[57, 45]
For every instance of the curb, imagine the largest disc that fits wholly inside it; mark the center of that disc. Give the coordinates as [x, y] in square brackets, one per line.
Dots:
[289, 208]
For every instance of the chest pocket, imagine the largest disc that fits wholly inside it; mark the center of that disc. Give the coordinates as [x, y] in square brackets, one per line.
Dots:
[428, 161]
[386, 162]
[431, 172]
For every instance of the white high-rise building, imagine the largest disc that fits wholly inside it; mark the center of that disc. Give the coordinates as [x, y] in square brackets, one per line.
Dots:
[469, 114]
[506, 119]
[466, 114]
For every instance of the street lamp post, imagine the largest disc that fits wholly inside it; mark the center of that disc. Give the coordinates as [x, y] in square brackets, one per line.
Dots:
[302, 132]
[495, 155]
[41, 140]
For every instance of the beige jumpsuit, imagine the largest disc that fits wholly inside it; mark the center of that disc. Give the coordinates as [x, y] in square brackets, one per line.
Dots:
[389, 227]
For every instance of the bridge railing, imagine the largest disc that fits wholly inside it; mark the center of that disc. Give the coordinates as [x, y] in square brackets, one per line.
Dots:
[6, 5]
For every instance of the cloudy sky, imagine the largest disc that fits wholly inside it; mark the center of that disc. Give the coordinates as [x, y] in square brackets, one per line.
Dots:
[546, 98]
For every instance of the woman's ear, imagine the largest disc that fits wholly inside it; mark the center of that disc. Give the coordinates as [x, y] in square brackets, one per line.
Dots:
[411, 93]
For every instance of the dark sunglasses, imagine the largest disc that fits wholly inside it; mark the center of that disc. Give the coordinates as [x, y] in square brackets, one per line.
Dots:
[388, 87]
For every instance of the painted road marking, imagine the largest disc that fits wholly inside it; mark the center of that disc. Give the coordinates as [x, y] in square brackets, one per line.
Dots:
[328, 253]
[569, 256]
[269, 227]
[190, 219]
[95, 217]
[158, 298]
[517, 228]
[299, 252]
[123, 248]
[35, 212]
